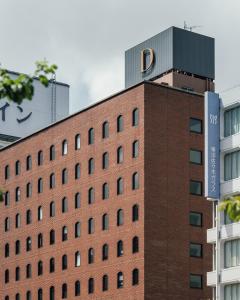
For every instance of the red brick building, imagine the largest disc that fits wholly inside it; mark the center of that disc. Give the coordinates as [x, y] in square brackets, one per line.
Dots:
[107, 204]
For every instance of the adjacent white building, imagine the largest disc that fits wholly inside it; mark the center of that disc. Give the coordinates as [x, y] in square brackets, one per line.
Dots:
[225, 235]
[47, 106]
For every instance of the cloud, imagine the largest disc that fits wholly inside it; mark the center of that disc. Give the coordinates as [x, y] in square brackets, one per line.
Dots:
[87, 38]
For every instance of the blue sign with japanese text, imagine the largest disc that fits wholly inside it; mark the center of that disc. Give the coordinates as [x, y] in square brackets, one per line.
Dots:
[212, 145]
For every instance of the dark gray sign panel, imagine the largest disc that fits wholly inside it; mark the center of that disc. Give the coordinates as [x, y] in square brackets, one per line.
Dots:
[173, 48]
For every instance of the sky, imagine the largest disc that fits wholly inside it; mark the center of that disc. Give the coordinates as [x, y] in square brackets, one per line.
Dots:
[87, 38]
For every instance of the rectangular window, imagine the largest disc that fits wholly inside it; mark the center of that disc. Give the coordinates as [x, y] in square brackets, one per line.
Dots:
[195, 187]
[195, 281]
[232, 121]
[195, 157]
[232, 253]
[232, 165]
[195, 250]
[195, 219]
[232, 291]
[195, 125]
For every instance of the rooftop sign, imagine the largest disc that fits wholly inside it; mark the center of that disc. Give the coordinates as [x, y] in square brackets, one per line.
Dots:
[172, 49]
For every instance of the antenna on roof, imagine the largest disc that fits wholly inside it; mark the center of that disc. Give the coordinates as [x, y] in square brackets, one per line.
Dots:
[190, 28]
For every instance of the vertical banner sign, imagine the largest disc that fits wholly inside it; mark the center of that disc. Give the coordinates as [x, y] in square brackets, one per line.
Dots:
[212, 145]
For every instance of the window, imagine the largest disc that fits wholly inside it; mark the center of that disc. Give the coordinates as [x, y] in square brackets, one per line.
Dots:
[77, 200]
[91, 256]
[105, 130]
[120, 280]
[105, 161]
[77, 229]
[17, 167]
[135, 149]
[195, 187]
[195, 157]
[232, 291]
[232, 165]
[28, 244]
[6, 298]
[17, 221]
[119, 248]
[52, 237]
[91, 196]
[135, 117]
[17, 297]
[64, 147]
[17, 194]
[7, 224]
[77, 259]
[52, 155]
[40, 158]
[52, 209]
[77, 171]
[7, 172]
[232, 121]
[232, 253]
[135, 181]
[227, 219]
[195, 281]
[40, 294]
[135, 213]
[135, 277]
[120, 186]
[6, 276]
[119, 154]
[105, 252]
[90, 226]
[40, 268]
[64, 291]
[90, 286]
[52, 181]
[195, 219]
[40, 185]
[105, 283]
[40, 240]
[91, 166]
[64, 205]
[64, 262]
[29, 163]
[64, 233]
[40, 213]
[77, 142]
[105, 222]
[7, 250]
[52, 293]
[52, 265]
[28, 295]
[195, 125]
[119, 217]
[64, 176]
[77, 288]
[29, 190]
[120, 123]
[17, 274]
[17, 247]
[135, 245]
[28, 217]
[7, 199]
[90, 136]
[105, 191]
[28, 271]
[195, 250]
